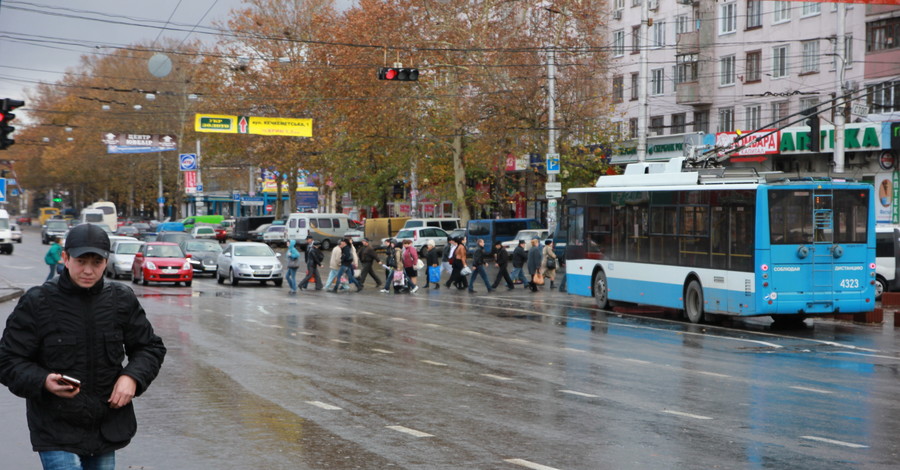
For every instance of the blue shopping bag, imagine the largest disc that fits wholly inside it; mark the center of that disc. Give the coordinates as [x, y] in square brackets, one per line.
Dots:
[434, 274]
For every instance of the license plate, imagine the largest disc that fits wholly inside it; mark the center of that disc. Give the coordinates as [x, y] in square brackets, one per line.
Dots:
[170, 271]
[260, 273]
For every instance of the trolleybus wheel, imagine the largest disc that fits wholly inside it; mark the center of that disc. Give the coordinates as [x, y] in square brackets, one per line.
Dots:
[601, 290]
[693, 302]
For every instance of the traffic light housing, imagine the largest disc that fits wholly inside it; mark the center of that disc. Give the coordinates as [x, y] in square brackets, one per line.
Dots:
[7, 106]
[398, 74]
[812, 121]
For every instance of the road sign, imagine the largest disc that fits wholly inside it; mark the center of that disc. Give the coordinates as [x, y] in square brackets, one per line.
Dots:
[553, 186]
[236, 196]
[554, 194]
[161, 200]
[2, 189]
[552, 163]
[187, 161]
[253, 125]
[269, 208]
[199, 188]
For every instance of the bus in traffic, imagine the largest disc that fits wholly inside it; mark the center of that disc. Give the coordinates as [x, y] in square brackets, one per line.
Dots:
[101, 212]
[710, 242]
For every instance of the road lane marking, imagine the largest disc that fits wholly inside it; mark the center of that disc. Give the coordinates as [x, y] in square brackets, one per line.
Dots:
[807, 389]
[580, 394]
[837, 443]
[324, 406]
[636, 361]
[305, 333]
[527, 464]
[518, 340]
[686, 415]
[382, 351]
[713, 374]
[471, 332]
[340, 341]
[399, 319]
[367, 313]
[441, 364]
[411, 432]
[497, 377]
[574, 350]
[263, 310]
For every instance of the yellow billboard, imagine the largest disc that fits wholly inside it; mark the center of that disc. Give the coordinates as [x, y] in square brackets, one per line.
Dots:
[221, 123]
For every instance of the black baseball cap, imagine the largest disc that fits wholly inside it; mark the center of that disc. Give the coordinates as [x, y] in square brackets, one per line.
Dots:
[87, 238]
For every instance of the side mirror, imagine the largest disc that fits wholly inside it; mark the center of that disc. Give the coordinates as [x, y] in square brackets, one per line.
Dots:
[188, 255]
[139, 255]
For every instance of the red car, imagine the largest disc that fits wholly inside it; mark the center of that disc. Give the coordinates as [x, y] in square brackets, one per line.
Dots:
[161, 262]
[221, 233]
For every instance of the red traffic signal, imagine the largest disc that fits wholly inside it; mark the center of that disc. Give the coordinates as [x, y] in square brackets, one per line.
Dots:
[398, 74]
[7, 105]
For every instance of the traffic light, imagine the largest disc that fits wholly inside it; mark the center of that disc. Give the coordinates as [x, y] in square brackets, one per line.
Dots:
[814, 132]
[7, 106]
[398, 74]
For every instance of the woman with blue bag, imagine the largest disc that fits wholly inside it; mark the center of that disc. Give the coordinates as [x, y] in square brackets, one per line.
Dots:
[293, 263]
[433, 259]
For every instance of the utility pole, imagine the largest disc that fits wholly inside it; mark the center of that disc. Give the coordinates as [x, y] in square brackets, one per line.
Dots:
[840, 102]
[551, 135]
[642, 82]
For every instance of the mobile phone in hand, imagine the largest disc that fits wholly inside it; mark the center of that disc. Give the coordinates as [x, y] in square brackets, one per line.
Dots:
[66, 380]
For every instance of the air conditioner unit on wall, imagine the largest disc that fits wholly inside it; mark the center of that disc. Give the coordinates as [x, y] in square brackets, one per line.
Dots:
[617, 15]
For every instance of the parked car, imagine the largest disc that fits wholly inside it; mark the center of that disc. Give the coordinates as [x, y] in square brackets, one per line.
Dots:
[141, 227]
[121, 258]
[257, 233]
[53, 228]
[16, 233]
[275, 235]
[248, 261]
[221, 233]
[527, 235]
[127, 231]
[161, 262]
[23, 220]
[203, 231]
[173, 237]
[204, 254]
[421, 235]
[149, 236]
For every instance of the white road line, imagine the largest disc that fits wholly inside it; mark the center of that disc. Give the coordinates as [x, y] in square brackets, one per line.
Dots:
[367, 313]
[399, 319]
[807, 389]
[411, 432]
[497, 377]
[580, 394]
[714, 374]
[470, 332]
[432, 325]
[340, 341]
[305, 333]
[518, 340]
[636, 361]
[324, 406]
[686, 415]
[441, 364]
[263, 310]
[382, 351]
[837, 443]
[527, 464]
[574, 350]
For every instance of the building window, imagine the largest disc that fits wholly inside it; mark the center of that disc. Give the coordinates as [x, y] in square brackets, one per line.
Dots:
[782, 11]
[684, 24]
[811, 8]
[632, 128]
[808, 102]
[619, 43]
[753, 65]
[658, 34]
[810, 56]
[618, 89]
[634, 86]
[779, 61]
[883, 97]
[754, 14]
[618, 4]
[635, 3]
[726, 120]
[701, 121]
[752, 117]
[686, 68]
[726, 70]
[728, 18]
[780, 110]
[678, 121]
[635, 39]
[883, 34]
[657, 82]
[848, 53]
[657, 125]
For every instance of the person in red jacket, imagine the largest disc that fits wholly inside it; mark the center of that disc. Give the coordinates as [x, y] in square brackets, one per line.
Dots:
[410, 258]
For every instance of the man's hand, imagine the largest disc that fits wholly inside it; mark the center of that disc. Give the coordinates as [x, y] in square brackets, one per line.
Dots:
[123, 392]
[53, 385]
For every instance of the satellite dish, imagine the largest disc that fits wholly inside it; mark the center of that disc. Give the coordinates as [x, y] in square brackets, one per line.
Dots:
[159, 65]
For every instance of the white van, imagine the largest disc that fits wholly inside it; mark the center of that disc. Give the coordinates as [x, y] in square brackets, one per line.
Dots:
[448, 224]
[887, 250]
[110, 217]
[91, 216]
[327, 229]
[6, 241]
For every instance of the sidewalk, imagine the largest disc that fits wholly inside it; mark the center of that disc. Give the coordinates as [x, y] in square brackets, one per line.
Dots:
[8, 291]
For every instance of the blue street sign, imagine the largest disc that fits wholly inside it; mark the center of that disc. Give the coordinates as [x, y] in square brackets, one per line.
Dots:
[187, 161]
[236, 196]
[161, 200]
[2, 189]
[199, 188]
[13, 192]
[552, 163]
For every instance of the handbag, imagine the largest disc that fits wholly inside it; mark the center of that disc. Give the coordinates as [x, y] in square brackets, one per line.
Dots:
[537, 279]
[357, 273]
[293, 263]
[419, 264]
[399, 278]
[551, 263]
[466, 271]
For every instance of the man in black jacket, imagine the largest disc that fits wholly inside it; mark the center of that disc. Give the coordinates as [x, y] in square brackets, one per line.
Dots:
[519, 258]
[478, 267]
[502, 261]
[367, 257]
[62, 350]
[314, 259]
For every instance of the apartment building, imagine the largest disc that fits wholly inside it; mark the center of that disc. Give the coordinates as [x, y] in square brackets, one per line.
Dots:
[719, 66]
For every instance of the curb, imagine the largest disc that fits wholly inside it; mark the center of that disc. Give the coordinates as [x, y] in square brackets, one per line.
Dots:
[15, 294]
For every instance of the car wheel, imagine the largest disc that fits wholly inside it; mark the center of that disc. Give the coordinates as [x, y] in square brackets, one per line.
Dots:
[187, 283]
[233, 280]
[262, 283]
[219, 278]
[326, 244]
[144, 280]
[278, 282]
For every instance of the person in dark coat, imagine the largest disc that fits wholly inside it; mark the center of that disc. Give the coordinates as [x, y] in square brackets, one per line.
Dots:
[433, 262]
[501, 258]
[346, 266]
[63, 350]
[478, 264]
[314, 259]
[535, 256]
[519, 258]
[368, 257]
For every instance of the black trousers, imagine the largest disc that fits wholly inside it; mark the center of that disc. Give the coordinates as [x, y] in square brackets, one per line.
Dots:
[503, 273]
[311, 271]
[366, 268]
[456, 277]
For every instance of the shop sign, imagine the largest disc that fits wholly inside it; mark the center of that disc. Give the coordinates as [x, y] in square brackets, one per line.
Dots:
[858, 137]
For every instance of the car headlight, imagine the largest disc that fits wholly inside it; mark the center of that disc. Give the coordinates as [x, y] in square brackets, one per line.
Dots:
[243, 266]
[278, 266]
[186, 265]
[150, 265]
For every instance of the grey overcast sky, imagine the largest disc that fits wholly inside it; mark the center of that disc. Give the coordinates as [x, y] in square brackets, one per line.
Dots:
[41, 39]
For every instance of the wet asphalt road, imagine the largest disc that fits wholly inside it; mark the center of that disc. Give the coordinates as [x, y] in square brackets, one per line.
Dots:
[443, 379]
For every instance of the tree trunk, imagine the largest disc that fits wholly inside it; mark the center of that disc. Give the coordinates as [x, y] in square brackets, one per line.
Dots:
[459, 179]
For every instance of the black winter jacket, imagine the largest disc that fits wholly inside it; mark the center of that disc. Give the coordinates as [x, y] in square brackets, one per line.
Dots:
[502, 257]
[478, 256]
[84, 333]
[519, 257]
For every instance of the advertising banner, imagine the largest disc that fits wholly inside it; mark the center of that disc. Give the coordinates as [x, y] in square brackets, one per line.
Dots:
[225, 124]
[190, 182]
[138, 143]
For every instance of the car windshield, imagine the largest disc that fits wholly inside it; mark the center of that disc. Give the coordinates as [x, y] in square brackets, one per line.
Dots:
[205, 230]
[405, 234]
[164, 251]
[253, 250]
[57, 225]
[127, 248]
[202, 246]
[276, 228]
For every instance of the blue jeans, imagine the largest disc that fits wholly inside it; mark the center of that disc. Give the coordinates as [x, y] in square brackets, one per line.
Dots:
[349, 272]
[291, 278]
[518, 273]
[479, 271]
[52, 272]
[60, 460]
